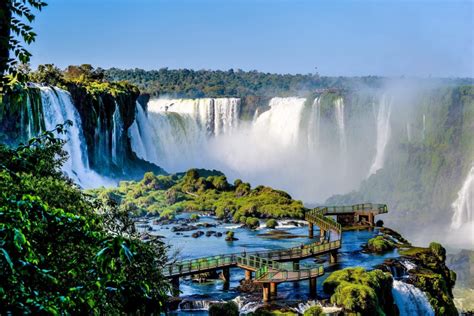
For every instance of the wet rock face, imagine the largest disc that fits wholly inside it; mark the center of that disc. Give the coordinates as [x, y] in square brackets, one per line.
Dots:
[248, 286]
[97, 116]
[463, 264]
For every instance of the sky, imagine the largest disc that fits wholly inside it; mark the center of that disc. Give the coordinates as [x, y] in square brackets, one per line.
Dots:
[341, 38]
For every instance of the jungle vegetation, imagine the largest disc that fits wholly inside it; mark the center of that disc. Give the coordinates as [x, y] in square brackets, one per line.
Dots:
[202, 191]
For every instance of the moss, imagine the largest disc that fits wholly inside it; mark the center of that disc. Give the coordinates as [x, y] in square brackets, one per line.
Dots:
[271, 223]
[361, 292]
[433, 277]
[314, 311]
[380, 244]
[224, 309]
[252, 222]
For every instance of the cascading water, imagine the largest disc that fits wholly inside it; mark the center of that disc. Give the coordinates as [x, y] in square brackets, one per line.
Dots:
[216, 116]
[280, 122]
[462, 222]
[340, 120]
[117, 132]
[383, 133]
[314, 126]
[57, 109]
[166, 138]
[285, 139]
[411, 300]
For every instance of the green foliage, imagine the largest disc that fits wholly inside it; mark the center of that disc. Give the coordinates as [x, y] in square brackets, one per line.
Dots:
[359, 291]
[433, 277]
[314, 311]
[224, 309]
[194, 217]
[60, 251]
[83, 76]
[191, 191]
[380, 244]
[271, 223]
[252, 222]
[15, 20]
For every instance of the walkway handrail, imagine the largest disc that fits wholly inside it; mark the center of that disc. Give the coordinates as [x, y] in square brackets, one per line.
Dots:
[265, 262]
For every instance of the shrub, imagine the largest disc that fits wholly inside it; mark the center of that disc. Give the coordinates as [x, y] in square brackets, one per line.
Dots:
[224, 309]
[380, 244]
[271, 223]
[194, 217]
[313, 311]
[252, 222]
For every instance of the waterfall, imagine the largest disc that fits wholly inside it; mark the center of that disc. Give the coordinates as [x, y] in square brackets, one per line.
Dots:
[411, 300]
[282, 121]
[117, 131]
[171, 138]
[463, 206]
[314, 125]
[383, 134]
[288, 146]
[214, 115]
[57, 109]
[409, 132]
[339, 113]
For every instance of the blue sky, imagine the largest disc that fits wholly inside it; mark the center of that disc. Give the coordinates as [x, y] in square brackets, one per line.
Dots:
[392, 38]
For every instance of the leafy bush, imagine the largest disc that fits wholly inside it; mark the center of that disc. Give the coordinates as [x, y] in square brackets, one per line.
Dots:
[60, 252]
[313, 311]
[252, 222]
[271, 223]
[360, 291]
[224, 309]
[380, 244]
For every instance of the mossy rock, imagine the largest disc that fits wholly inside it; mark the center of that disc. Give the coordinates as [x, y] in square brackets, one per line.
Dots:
[314, 311]
[224, 309]
[380, 244]
[361, 291]
[271, 223]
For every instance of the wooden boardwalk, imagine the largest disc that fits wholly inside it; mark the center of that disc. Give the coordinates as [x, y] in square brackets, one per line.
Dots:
[271, 267]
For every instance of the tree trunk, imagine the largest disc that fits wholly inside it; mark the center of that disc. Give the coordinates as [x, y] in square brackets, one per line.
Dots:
[5, 20]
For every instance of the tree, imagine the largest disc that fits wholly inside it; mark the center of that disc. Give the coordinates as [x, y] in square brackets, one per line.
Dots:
[15, 17]
[61, 251]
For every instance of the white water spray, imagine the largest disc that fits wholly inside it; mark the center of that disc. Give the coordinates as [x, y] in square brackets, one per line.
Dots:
[339, 113]
[58, 108]
[117, 131]
[462, 221]
[383, 134]
[411, 300]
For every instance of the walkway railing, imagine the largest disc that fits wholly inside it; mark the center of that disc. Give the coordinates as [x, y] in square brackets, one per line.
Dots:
[264, 262]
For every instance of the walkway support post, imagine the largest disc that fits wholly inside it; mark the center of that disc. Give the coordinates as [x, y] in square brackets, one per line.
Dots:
[333, 257]
[311, 230]
[266, 292]
[322, 234]
[296, 265]
[175, 286]
[312, 287]
[273, 290]
[371, 219]
[226, 277]
[248, 275]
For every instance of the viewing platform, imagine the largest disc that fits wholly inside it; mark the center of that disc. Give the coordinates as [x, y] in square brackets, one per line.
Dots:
[276, 266]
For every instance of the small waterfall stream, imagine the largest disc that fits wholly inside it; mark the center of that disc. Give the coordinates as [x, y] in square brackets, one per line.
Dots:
[383, 133]
[340, 120]
[463, 206]
[411, 300]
